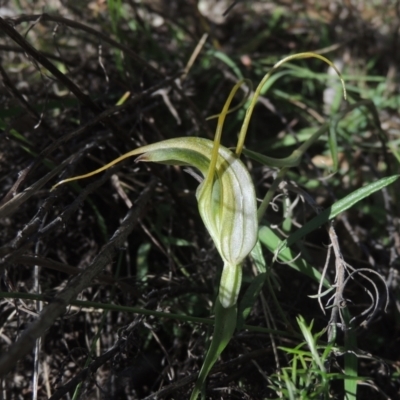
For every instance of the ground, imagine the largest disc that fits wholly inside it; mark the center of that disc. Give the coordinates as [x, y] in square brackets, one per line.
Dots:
[108, 283]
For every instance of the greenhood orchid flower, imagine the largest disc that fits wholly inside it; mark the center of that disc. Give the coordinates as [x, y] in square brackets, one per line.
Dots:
[226, 201]
[226, 197]
[227, 205]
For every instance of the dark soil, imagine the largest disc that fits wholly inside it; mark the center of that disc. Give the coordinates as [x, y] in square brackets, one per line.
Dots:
[132, 236]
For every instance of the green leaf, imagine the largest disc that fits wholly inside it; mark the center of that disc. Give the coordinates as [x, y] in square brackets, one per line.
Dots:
[350, 359]
[294, 159]
[142, 265]
[225, 323]
[337, 208]
[228, 61]
[332, 140]
[311, 342]
[271, 241]
[258, 258]
[250, 298]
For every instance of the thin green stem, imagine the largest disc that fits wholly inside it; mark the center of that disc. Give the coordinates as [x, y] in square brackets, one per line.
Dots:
[141, 311]
[249, 112]
[268, 197]
[218, 134]
[294, 159]
[225, 324]
[242, 102]
[276, 302]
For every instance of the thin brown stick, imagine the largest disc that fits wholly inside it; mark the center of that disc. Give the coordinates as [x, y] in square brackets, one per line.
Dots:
[127, 51]
[93, 367]
[339, 284]
[194, 55]
[67, 269]
[42, 18]
[42, 60]
[57, 307]
[12, 205]
[21, 99]
[173, 387]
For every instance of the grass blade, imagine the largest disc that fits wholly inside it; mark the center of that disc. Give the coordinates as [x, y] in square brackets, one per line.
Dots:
[337, 208]
[271, 241]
